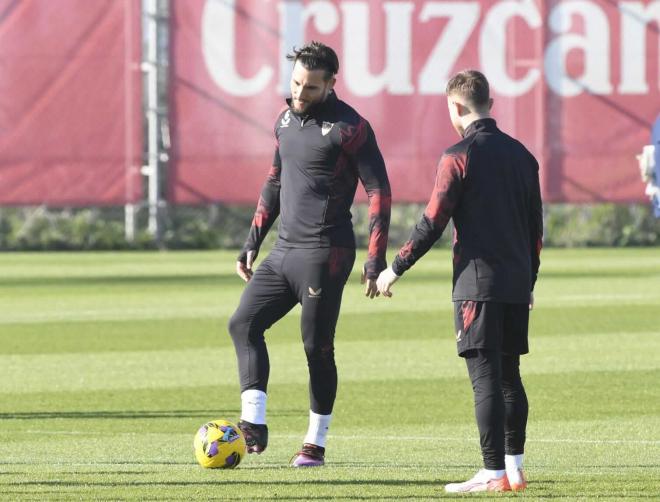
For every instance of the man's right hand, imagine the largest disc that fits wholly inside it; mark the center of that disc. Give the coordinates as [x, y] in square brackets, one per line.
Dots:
[244, 270]
[385, 280]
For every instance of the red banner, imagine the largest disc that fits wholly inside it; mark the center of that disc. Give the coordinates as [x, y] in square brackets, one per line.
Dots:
[577, 82]
[70, 90]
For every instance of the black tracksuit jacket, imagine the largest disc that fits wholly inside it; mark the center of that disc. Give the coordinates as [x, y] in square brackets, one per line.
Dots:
[311, 185]
[489, 184]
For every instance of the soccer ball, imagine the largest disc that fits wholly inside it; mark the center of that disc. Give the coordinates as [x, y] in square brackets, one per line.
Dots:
[219, 444]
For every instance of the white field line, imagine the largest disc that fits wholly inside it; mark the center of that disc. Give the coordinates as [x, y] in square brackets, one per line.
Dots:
[372, 438]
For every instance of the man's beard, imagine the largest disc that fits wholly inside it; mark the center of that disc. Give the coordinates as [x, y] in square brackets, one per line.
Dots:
[307, 109]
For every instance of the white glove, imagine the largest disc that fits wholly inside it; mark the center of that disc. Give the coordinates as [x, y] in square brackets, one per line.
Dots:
[385, 280]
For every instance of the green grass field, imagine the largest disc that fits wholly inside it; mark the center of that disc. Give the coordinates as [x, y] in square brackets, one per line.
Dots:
[110, 363]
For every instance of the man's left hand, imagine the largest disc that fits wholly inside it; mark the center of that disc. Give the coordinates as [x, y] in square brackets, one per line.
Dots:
[370, 290]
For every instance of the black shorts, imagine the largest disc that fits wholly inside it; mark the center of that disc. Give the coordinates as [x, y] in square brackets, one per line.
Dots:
[491, 326]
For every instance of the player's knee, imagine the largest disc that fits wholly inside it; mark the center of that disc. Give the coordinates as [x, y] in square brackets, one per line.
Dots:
[238, 326]
[511, 382]
[323, 353]
[513, 391]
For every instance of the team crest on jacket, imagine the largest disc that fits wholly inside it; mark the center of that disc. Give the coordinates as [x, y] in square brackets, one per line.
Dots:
[286, 119]
[326, 128]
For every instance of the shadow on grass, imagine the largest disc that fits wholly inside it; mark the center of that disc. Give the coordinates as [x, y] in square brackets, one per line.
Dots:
[210, 497]
[374, 483]
[159, 280]
[60, 464]
[600, 273]
[103, 473]
[242, 482]
[125, 414]
[391, 465]
[136, 414]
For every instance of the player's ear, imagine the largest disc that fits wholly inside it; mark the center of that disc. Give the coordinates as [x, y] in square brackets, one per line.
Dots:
[462, 109]
[490, 103]
[331, 83]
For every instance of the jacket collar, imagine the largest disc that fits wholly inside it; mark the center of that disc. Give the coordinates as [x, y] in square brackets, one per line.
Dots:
[480, 125]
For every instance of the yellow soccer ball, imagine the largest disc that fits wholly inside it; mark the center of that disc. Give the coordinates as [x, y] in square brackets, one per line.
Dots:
[219, 444]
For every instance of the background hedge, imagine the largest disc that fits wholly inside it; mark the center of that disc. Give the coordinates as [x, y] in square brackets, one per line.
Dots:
[219, 226]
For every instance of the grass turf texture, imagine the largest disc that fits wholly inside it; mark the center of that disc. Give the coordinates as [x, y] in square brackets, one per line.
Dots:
[110, 362]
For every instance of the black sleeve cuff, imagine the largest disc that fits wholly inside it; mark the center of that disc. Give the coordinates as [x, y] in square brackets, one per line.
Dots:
[242, 257]
[398, 266]
[373, 267]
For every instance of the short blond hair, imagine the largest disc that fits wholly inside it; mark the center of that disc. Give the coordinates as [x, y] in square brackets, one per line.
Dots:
[472, 86]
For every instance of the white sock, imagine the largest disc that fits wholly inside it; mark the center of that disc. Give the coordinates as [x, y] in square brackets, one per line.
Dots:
[253, 406]
[318, 429]
[495, 474]
[513, 462]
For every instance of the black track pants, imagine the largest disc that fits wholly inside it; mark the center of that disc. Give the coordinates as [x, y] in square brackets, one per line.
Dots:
[500, 404]
[315, 278]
